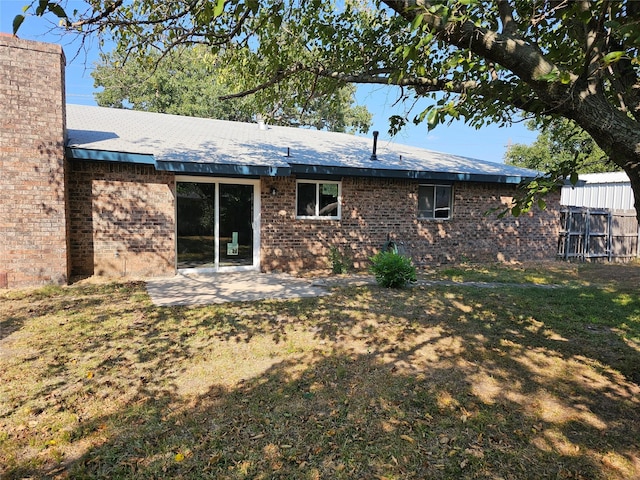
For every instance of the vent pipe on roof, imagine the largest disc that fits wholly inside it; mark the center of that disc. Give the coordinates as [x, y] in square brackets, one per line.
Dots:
[261, 124]
[375, 145]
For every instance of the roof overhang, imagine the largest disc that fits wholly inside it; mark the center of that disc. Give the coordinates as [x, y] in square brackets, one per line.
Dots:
[333, 171]
[107, 156]
[194, 168]
[300, 170]
[223, 169]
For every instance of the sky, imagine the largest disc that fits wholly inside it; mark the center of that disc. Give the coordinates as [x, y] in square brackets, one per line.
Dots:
[489, 143]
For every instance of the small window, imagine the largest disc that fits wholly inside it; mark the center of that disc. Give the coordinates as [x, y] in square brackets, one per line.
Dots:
[318, 200]
[435, 201]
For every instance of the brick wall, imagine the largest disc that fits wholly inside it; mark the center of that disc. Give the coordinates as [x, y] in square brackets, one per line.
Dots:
[122, 219]
[376, 209]
[33, 246]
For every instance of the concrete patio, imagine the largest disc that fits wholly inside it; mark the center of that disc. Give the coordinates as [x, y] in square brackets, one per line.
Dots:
[214, 288]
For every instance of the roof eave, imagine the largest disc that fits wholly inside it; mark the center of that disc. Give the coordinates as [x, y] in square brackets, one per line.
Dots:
[109, 156]
[192, 168]
[335, 171]
[242, 170]
[223, 169]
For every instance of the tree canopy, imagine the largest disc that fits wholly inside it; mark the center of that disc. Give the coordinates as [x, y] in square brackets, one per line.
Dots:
[190, 80]
[561, 146]
[487, 59]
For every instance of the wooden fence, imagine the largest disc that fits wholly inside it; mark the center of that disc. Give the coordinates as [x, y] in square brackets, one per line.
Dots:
[598, 234]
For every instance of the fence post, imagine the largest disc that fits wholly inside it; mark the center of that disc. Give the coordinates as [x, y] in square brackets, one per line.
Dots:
[587, 233]
[609, 234]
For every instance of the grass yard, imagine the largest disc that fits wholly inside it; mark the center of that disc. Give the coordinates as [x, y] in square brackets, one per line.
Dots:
[443, 382]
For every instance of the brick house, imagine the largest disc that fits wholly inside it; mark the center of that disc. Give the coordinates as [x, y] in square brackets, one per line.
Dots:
[96, 191]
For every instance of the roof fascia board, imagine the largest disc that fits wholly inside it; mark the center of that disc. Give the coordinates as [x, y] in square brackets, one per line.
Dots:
[300, 170]
[220, 169]
[108, 156]
[311, 171]
[580, 183]
[177, 167]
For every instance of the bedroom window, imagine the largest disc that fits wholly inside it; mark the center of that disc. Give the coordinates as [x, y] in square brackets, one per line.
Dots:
[318, 199]
[435, 201]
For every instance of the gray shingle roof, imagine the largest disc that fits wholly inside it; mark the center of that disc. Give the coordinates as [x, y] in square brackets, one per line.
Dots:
[189, 144]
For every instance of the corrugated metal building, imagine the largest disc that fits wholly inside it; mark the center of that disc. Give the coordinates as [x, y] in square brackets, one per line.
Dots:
[611, 190]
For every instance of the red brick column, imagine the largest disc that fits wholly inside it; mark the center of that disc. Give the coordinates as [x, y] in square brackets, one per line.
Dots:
[33, 239]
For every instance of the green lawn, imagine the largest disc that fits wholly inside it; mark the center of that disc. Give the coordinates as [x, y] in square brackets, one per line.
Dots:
[443, 381]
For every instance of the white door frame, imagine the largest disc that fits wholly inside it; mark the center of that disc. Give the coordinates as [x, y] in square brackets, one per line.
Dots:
[255, 266]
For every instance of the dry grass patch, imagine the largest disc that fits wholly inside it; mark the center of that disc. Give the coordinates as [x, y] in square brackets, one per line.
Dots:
[437, 382]
[541, 273]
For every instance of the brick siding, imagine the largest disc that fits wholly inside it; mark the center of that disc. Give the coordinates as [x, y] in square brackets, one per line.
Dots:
[33, 246]
[122, 219]
[374, 210]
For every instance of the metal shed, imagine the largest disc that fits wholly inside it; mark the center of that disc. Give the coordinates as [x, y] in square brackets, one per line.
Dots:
[611, 190]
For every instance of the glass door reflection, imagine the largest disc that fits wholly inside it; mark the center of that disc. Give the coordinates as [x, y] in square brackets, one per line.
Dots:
[196, 224]
[235, 225]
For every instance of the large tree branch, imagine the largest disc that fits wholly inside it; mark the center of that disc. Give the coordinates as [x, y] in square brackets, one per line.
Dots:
[593, 40]
[577, 98]
[513, 53]
[180, 22]
[524, 100]
[523, 59]
[105, 14]
[379, 77]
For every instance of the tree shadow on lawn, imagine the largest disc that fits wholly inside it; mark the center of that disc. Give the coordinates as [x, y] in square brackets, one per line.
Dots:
[367, 383]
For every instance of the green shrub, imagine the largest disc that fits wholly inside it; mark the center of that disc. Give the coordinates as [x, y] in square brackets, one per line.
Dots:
[340, 263]
[392, 270]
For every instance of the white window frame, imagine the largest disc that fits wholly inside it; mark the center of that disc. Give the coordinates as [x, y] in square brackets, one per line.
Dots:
[435, 195]
[317, 215]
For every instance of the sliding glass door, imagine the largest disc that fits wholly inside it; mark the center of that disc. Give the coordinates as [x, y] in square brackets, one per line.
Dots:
[216, 224]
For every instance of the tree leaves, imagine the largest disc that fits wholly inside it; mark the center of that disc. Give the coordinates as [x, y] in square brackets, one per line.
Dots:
[57, 10]
[218, 9]
[190, 81]
[561, 144]
[561, 150]
[17, 21]
[613, 57]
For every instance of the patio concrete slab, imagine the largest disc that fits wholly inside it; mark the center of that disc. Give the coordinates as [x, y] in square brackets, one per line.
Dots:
[204, 289]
